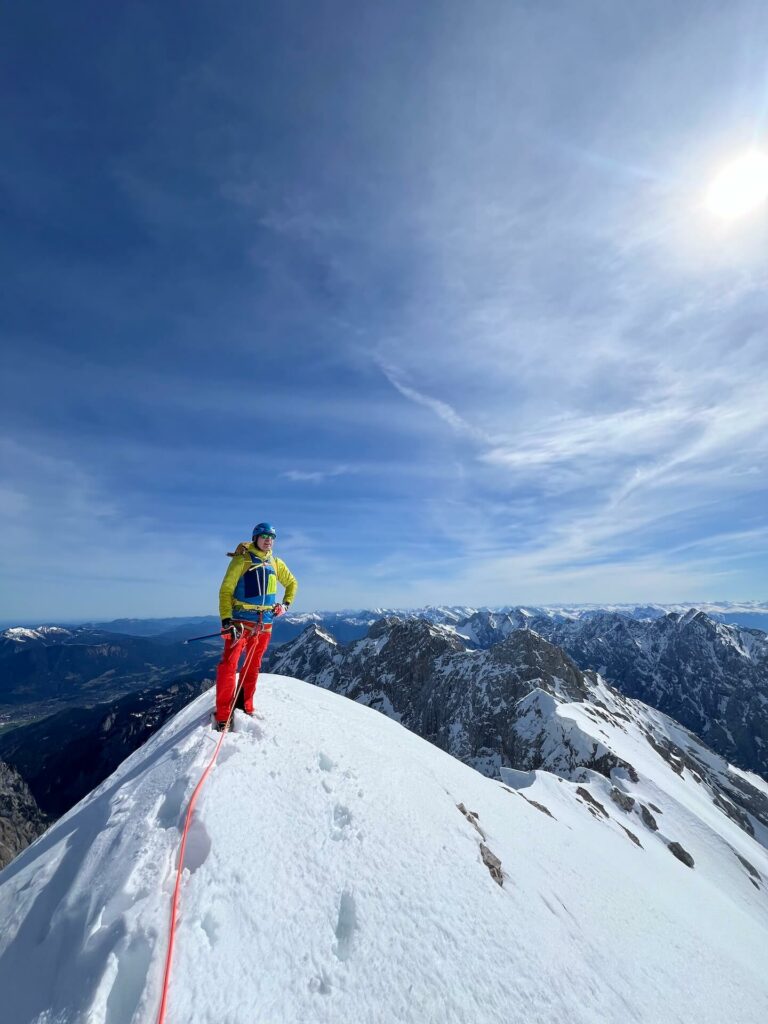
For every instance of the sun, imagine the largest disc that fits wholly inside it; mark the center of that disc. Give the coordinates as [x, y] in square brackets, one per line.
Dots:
[740, 187]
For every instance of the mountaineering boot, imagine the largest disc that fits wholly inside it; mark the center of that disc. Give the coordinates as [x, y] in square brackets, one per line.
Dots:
[220, 726]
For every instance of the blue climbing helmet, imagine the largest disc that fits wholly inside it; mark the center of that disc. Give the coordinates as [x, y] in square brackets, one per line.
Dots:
[264, 528]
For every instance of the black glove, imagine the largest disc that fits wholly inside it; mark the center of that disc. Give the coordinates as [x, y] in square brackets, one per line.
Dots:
[231, 629]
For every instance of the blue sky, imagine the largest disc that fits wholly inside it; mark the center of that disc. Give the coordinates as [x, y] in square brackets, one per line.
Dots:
[429, 286]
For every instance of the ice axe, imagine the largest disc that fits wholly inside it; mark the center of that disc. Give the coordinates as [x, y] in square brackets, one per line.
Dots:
[208, 636]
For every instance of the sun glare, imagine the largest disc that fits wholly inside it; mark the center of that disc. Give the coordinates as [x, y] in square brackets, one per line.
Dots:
[740, 187]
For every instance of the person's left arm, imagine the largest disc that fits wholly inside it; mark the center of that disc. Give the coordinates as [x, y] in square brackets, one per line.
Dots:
[288, 580]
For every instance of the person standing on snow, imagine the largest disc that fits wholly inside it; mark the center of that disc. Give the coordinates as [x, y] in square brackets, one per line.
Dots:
[247, 606]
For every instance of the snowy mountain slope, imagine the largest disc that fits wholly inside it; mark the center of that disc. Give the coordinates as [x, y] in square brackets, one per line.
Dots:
[470, 703]
[711, 677]
[331, 875]
[656, 779]
[21, 635]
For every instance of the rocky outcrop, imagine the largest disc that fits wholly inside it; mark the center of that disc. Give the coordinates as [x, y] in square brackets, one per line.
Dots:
[21, 820]
[424, 675]
[681, 854]
[313, 655]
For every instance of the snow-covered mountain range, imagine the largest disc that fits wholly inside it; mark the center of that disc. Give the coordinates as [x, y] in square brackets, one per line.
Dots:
[340, 868]
[496, 708]
[352, 624]
[711, 677]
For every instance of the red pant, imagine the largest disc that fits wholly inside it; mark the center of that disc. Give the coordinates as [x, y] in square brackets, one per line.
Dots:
[254, 644]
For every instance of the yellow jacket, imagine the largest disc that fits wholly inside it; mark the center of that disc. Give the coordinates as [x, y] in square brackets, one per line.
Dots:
[238, 597]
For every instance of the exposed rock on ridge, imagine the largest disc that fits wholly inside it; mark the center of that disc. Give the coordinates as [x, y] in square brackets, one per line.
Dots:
[21, 820]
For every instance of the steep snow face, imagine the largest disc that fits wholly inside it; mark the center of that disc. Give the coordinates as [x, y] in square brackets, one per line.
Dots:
[340, 868]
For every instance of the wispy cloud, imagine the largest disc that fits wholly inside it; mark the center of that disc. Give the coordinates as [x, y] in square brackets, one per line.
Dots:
[317, 476]
[624, 434]
[439, 408]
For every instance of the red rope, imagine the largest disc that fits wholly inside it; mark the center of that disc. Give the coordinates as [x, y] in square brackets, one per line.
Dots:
[185, 831]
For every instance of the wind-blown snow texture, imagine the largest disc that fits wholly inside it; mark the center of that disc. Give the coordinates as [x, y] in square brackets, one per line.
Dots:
[331, 876]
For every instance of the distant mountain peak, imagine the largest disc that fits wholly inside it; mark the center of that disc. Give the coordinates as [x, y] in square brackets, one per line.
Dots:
[22, 634]
[315, 631]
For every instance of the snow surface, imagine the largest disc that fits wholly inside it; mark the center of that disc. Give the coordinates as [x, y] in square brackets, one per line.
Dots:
[330, 876]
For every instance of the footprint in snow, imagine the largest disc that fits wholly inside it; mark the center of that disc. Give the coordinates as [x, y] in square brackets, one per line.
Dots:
[341, 823]
[346, 926]
[126, 986]
[198, 846]
[320, 983]
[170, 812]
[210, 926]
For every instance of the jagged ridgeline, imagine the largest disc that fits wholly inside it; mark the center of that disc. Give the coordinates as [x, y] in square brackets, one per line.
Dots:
[521, 703]
[709, 676]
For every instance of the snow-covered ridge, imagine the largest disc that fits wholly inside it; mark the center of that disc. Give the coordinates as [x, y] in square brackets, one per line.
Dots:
[340, 868]
[21, 634]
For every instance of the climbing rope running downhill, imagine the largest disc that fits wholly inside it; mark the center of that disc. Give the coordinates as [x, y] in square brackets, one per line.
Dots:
[183, 844]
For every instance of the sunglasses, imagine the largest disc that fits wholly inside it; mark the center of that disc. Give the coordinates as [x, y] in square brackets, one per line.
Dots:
[267, 536]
